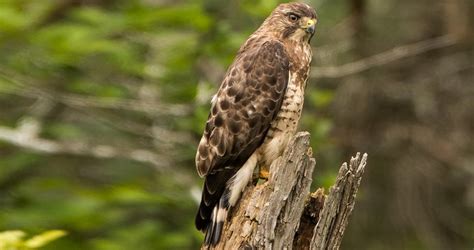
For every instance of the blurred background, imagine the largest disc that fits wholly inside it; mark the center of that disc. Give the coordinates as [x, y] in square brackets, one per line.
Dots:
[102, 104]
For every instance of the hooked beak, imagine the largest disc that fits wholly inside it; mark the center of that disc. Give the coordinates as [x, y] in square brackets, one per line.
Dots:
[310, 26]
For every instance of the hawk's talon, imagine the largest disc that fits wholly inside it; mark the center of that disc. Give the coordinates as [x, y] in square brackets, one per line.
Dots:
[263, 174]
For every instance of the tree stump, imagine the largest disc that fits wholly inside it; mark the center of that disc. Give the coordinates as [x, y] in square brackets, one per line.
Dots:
[282, 214]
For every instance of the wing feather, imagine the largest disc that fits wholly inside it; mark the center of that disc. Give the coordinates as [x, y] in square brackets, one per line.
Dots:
[241, 113]
[244, 107]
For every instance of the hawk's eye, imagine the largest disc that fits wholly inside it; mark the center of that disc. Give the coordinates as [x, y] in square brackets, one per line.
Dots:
[293, 17]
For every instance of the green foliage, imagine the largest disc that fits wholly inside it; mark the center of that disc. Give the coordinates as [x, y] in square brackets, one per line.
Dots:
[14, 240]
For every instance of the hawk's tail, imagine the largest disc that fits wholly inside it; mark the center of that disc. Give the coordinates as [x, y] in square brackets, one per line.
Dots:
[214, 206]
[219, 215]
[221, 191]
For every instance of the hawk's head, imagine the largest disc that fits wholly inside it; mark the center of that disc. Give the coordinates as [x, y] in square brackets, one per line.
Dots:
[294, 21]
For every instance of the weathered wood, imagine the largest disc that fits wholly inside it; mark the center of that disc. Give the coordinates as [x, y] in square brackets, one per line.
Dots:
[269, 214]
[338, 205]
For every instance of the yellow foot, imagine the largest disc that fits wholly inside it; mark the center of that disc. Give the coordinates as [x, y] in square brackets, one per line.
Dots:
[263, 174]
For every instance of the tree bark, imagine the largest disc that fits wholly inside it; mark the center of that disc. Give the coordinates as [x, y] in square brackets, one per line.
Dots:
[338, 205]
[280, 213]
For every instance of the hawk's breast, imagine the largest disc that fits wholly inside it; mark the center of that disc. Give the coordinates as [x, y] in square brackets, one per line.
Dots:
[285, 123]
[284, 126]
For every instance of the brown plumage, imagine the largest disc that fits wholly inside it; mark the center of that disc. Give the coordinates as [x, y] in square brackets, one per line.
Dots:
[255, 111]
